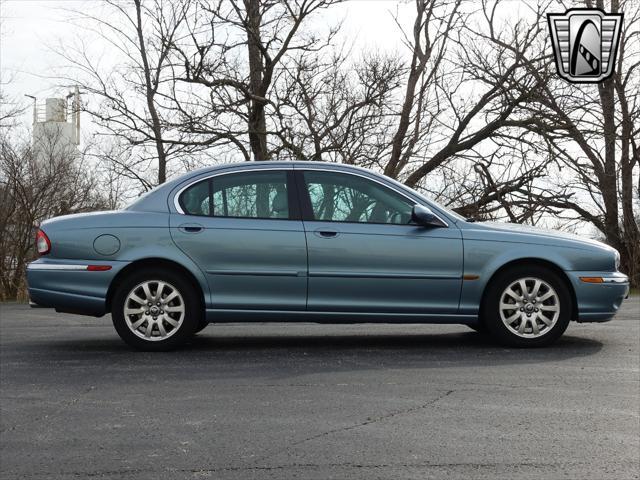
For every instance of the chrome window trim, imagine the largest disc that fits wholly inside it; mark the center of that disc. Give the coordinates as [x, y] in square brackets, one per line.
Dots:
[56, 266]
[178, 208]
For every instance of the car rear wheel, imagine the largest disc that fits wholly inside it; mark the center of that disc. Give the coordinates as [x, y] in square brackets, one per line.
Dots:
[527, 306]
[156, 310]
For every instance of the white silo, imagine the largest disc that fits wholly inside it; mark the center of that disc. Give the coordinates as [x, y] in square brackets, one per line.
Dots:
[56, 126]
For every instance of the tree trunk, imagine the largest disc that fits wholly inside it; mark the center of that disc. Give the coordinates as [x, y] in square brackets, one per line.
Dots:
[630, 253]
[418, 64]
[624, 236]
[257, 124]
[150, 92]
[609, 186]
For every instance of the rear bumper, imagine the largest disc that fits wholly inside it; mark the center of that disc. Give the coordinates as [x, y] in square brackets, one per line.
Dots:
[599, 302]
[67, 302]
[67, 285]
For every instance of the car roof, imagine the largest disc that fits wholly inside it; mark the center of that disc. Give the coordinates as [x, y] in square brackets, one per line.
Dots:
[275, 164]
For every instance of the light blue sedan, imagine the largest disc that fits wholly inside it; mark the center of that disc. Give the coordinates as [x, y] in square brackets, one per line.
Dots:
[309, 241]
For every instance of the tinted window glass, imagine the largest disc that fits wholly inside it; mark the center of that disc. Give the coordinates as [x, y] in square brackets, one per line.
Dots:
[251, 195]
[340, 197]
[195, 199]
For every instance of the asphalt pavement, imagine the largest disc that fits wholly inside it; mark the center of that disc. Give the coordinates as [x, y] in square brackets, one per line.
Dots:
[284, 401]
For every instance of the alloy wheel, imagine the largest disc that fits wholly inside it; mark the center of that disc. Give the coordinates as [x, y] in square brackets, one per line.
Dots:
[154, 310]
[529, 307]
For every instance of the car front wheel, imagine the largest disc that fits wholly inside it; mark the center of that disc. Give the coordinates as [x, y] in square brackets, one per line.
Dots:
[527, 306]
[156, 310]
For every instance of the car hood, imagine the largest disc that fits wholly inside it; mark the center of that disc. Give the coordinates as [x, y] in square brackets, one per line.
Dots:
[530, 234]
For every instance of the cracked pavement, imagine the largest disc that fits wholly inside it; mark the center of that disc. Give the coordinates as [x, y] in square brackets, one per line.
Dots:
[317, 401]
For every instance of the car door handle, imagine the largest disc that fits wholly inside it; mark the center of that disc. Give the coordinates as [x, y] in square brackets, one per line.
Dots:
[190, 228]
[326, 233]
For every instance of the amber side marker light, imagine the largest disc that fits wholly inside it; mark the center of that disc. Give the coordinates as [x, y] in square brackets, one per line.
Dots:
[592, 279]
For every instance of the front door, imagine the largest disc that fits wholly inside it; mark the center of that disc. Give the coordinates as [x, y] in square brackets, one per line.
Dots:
[243, 229]
[365, 256]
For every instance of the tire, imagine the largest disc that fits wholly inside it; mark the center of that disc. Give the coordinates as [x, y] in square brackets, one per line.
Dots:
[513, 318]
[477, 327]
[201, 326]
[167, 329]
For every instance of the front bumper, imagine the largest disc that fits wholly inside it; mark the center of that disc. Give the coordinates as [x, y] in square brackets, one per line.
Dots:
[67, 285]
[599, 302]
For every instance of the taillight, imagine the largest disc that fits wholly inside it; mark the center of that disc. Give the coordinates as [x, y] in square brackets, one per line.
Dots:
[43, 245]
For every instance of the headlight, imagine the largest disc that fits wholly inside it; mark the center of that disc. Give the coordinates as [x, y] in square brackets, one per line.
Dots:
[617, 259]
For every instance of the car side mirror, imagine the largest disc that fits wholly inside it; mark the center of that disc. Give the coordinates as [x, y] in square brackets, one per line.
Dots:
[422, 215]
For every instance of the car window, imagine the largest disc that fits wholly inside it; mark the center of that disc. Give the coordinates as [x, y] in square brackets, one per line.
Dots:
[251, 194]
[340, 197]
[195, 200]
[241, 195]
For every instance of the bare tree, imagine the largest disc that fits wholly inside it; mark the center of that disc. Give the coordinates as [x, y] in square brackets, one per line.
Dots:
[508, 183]
[10, 109]
[591, 132]
[462, 124]
[434, 22]
[334, 109]
[36, 183]
[237, 52]
[463, 111]
[131, 96]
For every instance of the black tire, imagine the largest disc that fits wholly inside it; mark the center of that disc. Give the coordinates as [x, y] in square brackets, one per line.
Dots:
[193, 309]
[201, 326]
[477, 327]
[490, 312]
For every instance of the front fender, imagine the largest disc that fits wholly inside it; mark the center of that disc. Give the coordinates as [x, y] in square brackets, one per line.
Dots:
[482, 259]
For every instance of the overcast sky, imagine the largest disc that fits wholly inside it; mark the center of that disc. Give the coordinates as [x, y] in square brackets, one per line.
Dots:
[32, 28]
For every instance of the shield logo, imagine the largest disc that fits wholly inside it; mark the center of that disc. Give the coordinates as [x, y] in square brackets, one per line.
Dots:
[585, 43]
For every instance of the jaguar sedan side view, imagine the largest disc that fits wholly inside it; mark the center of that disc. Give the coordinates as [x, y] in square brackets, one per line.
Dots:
[309, 241]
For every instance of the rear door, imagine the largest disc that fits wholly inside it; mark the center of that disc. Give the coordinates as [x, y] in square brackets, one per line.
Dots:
[244, 230]
[365, 256]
